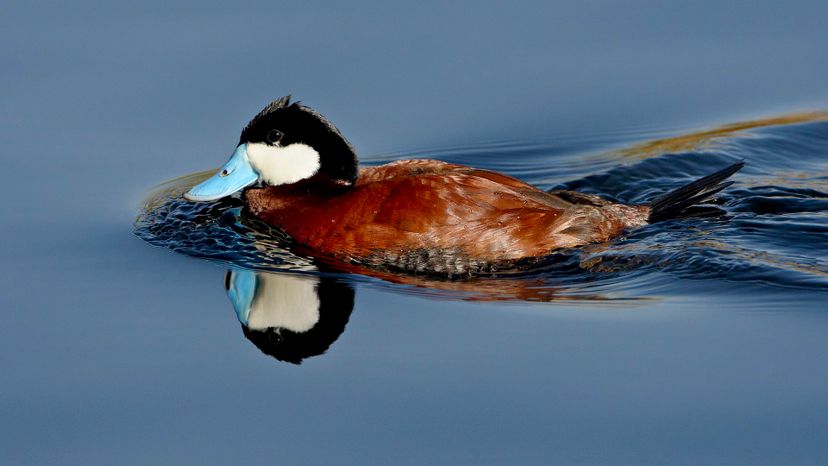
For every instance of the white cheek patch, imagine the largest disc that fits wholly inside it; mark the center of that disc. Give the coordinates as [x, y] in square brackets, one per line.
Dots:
[284, 301]
[283, 165]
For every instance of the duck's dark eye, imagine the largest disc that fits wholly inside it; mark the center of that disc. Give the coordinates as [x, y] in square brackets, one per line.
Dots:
[274, 336]
[274, 136]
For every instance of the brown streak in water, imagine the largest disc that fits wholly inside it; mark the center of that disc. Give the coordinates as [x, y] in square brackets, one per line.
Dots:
[789, 179]
[699, 139]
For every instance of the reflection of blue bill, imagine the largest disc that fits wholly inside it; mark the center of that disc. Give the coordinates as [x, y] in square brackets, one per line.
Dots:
[241, 289]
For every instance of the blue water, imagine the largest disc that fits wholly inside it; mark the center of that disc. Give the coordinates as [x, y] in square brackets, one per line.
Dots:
[694, 341]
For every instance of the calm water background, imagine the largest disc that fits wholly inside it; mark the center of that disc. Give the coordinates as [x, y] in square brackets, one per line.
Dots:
[113, 351]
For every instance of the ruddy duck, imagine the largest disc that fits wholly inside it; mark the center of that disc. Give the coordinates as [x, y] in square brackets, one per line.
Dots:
[300, 175]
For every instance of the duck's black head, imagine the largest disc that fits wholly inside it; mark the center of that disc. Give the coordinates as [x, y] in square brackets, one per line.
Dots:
[285, 143]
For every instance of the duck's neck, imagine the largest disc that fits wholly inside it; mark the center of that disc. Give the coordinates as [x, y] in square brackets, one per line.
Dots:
[305, 193]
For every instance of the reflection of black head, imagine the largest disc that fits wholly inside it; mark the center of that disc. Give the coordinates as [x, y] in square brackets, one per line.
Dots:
[336, 302]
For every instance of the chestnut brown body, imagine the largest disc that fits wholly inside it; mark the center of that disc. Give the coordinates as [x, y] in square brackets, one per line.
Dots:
[432, 216]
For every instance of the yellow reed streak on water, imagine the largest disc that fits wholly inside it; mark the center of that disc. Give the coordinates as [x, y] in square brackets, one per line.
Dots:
[698, 139]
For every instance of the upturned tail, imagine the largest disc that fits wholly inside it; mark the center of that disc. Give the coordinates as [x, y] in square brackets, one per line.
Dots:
[675, 202]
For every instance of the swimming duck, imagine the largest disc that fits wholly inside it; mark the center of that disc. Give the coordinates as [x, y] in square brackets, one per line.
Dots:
[299, 174]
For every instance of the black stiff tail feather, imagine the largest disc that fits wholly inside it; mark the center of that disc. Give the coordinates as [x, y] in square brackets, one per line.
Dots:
[675, 202]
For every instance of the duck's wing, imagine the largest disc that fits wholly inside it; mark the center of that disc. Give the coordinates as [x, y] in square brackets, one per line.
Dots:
[557, 199]
[405, 168]
[577, 198]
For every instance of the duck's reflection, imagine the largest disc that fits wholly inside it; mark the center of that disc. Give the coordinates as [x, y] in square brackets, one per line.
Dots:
[293, 316]
[287, 316]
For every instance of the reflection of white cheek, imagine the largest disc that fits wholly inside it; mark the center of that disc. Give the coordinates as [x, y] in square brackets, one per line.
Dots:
[284, 301]
[283, 165]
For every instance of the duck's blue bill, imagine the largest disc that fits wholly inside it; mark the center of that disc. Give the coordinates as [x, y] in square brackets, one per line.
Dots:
[241, 290]
[234, 176]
